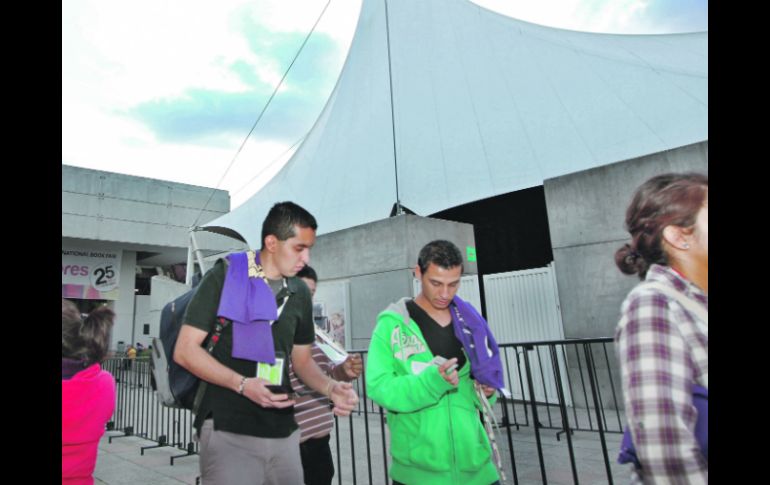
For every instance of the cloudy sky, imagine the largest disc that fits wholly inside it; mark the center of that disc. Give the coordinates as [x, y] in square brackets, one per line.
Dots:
[170, 89]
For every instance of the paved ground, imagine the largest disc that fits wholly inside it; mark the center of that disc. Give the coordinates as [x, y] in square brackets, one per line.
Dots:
[121, 461]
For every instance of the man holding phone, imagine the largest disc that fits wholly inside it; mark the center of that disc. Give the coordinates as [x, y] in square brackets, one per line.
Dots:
[245, 420]
[312, 411]
[420, 372]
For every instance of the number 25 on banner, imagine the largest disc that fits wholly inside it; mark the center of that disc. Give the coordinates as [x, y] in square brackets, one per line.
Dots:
[103, 277]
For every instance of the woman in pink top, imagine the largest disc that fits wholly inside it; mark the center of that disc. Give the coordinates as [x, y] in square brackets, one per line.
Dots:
[87, 392]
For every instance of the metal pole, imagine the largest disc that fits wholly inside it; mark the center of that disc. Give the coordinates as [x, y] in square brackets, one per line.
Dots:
[592, 379]
[506, 419]
[190, 263]
[535, 419]
[384, 447]
[198, 253]
[563, 410]
[399, 211]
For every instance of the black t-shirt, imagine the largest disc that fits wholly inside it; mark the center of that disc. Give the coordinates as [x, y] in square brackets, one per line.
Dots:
[232, 412]
[441, 340]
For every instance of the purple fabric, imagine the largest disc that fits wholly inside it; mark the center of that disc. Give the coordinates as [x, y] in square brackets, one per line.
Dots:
[250, 304]
[700, 399]
[474, 333]
[70, 367]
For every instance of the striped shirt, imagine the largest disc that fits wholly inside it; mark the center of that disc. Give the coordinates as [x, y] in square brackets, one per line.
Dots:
[311, 409]
[663, 351]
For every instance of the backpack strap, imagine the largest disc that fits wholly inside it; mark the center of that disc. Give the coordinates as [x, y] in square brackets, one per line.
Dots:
[222, 322]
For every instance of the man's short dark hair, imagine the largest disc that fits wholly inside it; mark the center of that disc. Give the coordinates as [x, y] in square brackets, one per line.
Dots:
[282, 218]
[308, 272]
[441, 253]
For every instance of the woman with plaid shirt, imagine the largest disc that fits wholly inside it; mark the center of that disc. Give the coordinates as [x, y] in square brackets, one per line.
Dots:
[662, 341]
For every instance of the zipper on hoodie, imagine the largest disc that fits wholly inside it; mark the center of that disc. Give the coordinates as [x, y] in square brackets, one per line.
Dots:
[452, 438]
[419, 334]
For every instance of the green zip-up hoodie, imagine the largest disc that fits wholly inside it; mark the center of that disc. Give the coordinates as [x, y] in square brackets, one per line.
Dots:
[436, 434]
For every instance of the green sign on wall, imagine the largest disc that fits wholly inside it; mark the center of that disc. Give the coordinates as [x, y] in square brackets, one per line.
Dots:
[471, 253]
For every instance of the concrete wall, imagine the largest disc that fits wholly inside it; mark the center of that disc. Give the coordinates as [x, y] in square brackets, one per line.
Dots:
[115, 207]
[124, 305]
[377, 259]
[586, 213]
[105, 210]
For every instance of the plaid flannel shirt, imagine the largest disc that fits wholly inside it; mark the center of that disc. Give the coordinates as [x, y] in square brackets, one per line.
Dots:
[663, 350]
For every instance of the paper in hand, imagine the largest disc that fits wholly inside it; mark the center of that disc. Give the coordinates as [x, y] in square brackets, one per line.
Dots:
[329, 347]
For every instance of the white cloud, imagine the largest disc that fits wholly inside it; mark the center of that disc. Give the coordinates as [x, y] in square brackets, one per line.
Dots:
[608, 16]
[118, 54]
[144, 50]
[103, 141]
[300, 15]
[619, 16]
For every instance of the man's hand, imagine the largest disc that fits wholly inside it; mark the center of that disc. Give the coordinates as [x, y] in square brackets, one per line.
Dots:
[344, 398]
[254, 389]
[488, 391]
[452, 378]
[353, 366]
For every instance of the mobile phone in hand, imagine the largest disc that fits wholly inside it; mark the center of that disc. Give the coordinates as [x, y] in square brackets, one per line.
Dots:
[275, 389]
[439, 361]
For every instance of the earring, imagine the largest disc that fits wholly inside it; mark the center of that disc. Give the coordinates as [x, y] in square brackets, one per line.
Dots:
[686, 246]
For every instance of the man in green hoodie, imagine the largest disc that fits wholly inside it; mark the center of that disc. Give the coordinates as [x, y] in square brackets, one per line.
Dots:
[417, 370]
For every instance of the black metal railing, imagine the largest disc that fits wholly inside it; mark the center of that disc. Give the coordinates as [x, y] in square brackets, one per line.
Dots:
[566, 386]
[139, 413]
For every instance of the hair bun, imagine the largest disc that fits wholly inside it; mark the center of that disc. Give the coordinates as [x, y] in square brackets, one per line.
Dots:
[629, 260]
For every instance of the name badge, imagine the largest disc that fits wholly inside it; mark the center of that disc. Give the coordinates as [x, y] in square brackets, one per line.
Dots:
[271, 373]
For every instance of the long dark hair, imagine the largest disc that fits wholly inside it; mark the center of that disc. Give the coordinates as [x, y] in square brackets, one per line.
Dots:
[88, 339]
[664, 200]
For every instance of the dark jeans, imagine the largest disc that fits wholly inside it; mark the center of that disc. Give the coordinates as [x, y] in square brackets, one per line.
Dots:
[317, 463]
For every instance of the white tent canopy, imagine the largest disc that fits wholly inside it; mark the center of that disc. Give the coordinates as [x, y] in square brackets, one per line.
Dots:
[483, 104]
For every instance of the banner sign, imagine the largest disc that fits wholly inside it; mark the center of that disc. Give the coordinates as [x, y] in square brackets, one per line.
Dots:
[330, 312]
[90, 274]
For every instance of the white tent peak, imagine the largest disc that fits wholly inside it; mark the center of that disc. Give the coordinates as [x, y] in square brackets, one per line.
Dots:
[483, 104]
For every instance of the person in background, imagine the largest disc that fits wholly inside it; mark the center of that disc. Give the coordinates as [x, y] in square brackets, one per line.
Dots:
[87, 391]
[131, 357]
[141, 351]
[662, 335]
[311, 410]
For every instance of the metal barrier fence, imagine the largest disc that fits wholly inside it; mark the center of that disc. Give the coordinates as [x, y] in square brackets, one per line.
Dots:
[139, 413]
[585, 410]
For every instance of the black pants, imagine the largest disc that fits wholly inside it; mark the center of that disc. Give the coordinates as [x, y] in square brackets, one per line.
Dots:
[317, 463]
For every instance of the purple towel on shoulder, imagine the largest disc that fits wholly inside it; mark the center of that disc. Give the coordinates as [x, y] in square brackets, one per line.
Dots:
[479, 343]
[250, 304]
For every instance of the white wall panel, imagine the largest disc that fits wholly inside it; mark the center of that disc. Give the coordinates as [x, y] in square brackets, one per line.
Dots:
[523, 306]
